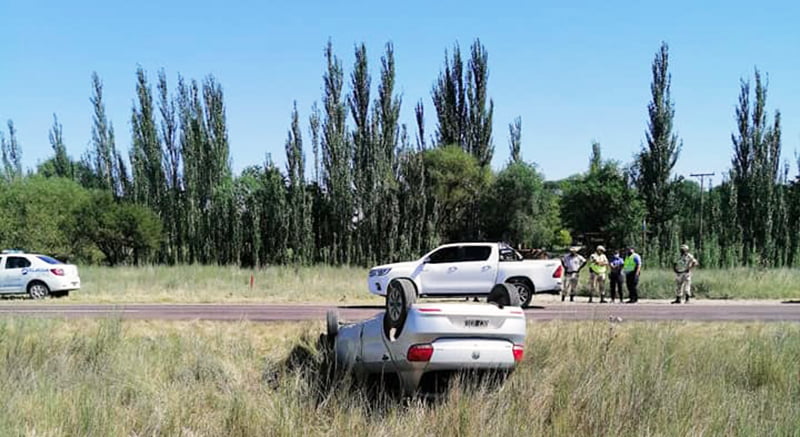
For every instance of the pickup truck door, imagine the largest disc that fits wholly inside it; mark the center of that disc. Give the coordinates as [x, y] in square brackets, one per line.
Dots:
[460, 270]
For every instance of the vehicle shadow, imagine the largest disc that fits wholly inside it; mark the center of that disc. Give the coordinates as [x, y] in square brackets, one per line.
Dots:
[791, 301]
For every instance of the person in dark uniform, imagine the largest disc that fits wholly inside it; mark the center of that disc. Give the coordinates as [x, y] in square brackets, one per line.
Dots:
[615, 276]
[632, 266]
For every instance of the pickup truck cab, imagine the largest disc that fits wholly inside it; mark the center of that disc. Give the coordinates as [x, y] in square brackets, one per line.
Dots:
[470, 269]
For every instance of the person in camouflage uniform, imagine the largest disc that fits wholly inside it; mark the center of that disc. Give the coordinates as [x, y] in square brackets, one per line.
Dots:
[573, 262]
[683, 274]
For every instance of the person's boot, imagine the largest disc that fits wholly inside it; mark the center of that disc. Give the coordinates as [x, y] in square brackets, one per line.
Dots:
[572, 298]
[687, 299]
[590, 299]
[677, 300]
[603, 299]
[563, 296]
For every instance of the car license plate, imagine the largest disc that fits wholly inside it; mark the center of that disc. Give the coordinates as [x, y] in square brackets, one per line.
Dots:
[476, 323]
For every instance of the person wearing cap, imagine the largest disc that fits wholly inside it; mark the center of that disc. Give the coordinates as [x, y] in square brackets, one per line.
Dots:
[632, 266]
[598, 269]
[573, 262]
[615, 276]
[683, 274]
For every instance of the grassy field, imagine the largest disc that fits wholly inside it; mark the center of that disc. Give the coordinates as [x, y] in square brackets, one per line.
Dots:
[324, 284]
[100, 378]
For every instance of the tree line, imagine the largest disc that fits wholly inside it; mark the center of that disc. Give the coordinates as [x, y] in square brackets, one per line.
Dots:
[381, 190]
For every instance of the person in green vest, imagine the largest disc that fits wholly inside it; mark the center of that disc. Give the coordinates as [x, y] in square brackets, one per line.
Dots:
[683, 274]
[598, 269]
[632, 266]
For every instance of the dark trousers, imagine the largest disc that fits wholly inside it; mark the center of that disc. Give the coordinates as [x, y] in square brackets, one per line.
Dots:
[632, 281]
[615, 285]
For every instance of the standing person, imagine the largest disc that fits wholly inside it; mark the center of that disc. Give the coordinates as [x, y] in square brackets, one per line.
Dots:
[683, 274]
[598, 268]
[632, 266]
[573, 262]
[615, 276]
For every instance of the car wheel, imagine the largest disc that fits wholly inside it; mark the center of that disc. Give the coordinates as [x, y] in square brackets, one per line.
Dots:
[400, 295]
[38, 290]
[525, 292]
[504, 295]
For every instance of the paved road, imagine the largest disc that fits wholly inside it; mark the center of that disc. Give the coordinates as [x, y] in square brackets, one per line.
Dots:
[699, 311]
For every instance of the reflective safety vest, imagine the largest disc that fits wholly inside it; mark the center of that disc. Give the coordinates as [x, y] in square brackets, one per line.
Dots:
[630, 263]
[597, 268]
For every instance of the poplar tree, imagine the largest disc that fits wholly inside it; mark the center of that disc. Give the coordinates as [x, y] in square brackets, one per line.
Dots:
[657, 159]
[12, 154]
[515, 140]
[149, 181]
[337, 157]
[107, 162]
[299, 223]
[61, 162]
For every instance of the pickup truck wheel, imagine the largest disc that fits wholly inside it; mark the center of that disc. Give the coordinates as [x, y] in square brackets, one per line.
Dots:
[525, 292]
[504, 295]
[400, 295]
[38, 290]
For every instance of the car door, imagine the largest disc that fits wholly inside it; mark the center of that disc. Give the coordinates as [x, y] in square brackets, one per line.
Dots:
[373, 347]
[14, 274]
[440, 270]
[3, 279]
[477, 269]
[460, 270]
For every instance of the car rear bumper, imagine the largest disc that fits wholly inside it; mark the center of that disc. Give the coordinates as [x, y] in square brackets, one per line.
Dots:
[65, 284]
[459, 354]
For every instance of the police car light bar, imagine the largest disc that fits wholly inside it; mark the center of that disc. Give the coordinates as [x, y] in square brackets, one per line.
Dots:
[8, 251]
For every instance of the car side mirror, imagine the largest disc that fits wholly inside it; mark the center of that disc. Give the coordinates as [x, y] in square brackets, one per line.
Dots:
[426, 260]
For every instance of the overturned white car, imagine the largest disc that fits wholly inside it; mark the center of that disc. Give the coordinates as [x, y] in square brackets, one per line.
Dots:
[423, 345]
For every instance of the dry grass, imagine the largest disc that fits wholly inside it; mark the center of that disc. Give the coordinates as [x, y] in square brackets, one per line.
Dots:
[326, 284]
[201, 378]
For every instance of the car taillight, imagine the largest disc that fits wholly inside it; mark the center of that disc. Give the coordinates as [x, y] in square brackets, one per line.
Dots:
[559, 271]
[420, 352]
[519, 351]
[57, 272]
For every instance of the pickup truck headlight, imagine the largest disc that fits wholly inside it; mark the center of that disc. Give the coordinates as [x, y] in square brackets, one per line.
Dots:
[379, 272]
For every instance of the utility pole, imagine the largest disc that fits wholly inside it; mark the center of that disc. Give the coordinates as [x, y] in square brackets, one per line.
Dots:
[702, 177]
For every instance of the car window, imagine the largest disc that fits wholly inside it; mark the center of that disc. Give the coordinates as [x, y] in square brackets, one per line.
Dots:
[49, 260]
[476, 253]
[17, 262]
[444, 255]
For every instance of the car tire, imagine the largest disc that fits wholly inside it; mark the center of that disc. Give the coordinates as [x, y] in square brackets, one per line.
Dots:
[504, 295]
[525, 291]
[400, 295]
[38, 290]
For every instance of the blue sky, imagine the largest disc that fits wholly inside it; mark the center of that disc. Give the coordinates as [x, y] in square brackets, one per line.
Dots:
[574, 73]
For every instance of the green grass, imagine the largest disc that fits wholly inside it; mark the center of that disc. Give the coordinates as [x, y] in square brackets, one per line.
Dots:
[326, 284]
[100, 378]
[209, 284]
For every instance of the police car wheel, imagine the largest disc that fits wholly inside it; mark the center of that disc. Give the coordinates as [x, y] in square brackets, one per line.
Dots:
[38, 290]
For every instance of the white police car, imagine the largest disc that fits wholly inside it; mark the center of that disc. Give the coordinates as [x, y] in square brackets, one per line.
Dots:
[37, 275]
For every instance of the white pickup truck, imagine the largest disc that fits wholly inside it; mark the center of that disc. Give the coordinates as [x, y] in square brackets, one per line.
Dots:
[470, 269]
